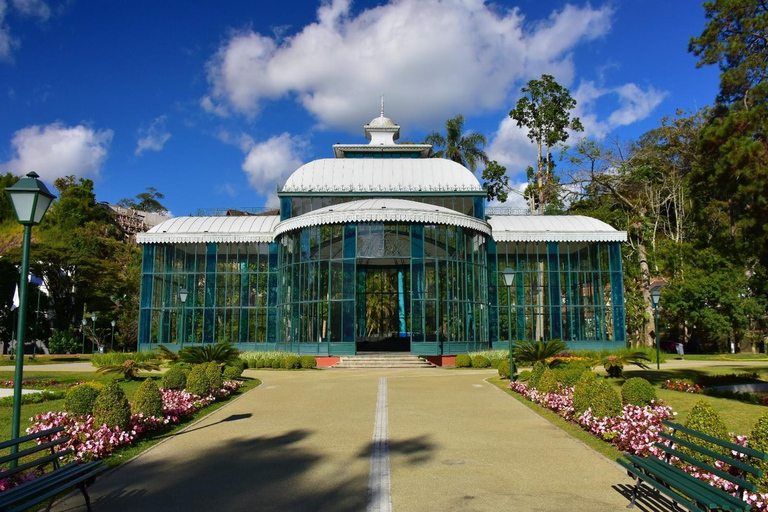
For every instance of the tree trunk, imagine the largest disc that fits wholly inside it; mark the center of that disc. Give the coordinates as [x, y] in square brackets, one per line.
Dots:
[645, 286]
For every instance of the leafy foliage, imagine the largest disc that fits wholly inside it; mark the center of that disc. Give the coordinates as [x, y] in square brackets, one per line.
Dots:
[81, 398]
[165, 354]
[547, 382]
[466, 150]
[223, 353]
[197, 381]
[129, 369]
[175, 378]
[582, 393]
[504, 369]
[308, 362]
[463, 361]
[292, 362]
[148, 400]
[537, 351]
[213, 373]
[148, 201]
[524, 376]
[232, 373]
[638, 391]
[758, 440]
[64, 341]
[538, 370]
[480, 361]
[111, 407]
[614, 363]
[703, 418]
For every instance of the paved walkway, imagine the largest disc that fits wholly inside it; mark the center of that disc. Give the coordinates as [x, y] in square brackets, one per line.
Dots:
[303, 441]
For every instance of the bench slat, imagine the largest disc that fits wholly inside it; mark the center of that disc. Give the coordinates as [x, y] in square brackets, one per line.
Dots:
[34, 449]
[55, 478]
[68, 485]
[690, 505]
[30, 437]
[695, 491]
[733, 462]
[725, 444]
[715, 471]
[39, 462]
[688, 480]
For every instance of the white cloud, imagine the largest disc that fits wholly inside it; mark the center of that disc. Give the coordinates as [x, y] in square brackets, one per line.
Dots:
[636, 104]
[154, 137]
[33, 8]
[272, 161]
[7, 42]
[511, 147]
[431, 58]
[56, 150]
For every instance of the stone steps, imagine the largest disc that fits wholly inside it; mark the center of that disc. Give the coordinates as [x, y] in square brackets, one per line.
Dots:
[377, 361]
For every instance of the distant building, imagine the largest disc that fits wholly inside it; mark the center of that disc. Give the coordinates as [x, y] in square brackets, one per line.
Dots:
[132, 221]
[381, 248]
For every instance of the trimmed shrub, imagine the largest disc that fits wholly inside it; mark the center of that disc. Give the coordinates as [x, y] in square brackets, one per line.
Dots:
[604, 401]
[638, 391]
[703, 418]
[568, 376]
[758, 440]
[582, 393]
[277, 362]
[232, 373]
[463, 361]
[213, 372]
[111, 407]
[504, 369]
[261, 363]
[240, 363]
[292, 362]
[148, 400]
[480, 362]
[197, 381]
[524, 376]
[547, 382]
[175, 378]
[538, 371]
[80, 399]
[308, 362]
[64, 342]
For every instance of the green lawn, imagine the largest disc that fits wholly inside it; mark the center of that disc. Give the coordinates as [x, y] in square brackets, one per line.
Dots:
[43, 359]
[721, 357]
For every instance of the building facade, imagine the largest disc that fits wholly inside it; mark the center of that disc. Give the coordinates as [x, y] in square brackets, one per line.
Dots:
[381, 248]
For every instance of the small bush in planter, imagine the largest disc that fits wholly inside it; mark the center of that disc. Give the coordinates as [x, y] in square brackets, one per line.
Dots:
[524, 376]
[111, 407]
[213, 372]
[148, 400]
[197, 381]
[463, 361]
[80, 399]
[638, 391]
[232, 373]
[547, 382]
[538, 371]
[175, 378]
[503, 369]
[292, 362]
[308, 362]
[480, 361]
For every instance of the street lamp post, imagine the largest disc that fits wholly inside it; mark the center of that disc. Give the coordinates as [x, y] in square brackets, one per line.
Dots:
[509, 280]
[183, 293]
[655, 296]
[93, 331]
[31, 199]
[84, 321]
[112, 346]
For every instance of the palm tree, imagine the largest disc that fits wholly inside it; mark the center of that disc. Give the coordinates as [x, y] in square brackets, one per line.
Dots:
[466, 150]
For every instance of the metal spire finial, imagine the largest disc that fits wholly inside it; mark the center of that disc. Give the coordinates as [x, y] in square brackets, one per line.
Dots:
[382, 104]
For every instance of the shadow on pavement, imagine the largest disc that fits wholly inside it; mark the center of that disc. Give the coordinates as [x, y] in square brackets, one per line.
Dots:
[231, 417]
[264, 473]
[648, 500]
[417, 450]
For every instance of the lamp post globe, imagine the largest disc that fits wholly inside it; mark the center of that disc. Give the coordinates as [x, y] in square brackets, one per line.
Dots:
[30, 199]
[84, 322]
[93, 331]
[183, 294]
[655, 296]
[112, 346]
[509, 279]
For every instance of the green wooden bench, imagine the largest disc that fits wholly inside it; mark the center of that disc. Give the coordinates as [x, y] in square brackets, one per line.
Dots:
[45, 487]
[684, 489]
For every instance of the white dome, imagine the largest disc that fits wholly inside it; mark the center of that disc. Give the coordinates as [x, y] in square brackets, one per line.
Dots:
[382, 122]
[382, 175]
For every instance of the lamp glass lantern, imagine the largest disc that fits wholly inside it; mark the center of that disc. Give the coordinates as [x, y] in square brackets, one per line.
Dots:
[183, 293]
[509, 276]
[509, 279]
[31, 199]
[655, 296]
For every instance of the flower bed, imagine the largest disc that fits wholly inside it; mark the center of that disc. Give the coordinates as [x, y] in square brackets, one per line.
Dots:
[634, 431]
[684, 386]
[34, 383]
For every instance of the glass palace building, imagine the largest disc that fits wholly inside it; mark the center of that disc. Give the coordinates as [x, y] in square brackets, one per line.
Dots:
[381, 248]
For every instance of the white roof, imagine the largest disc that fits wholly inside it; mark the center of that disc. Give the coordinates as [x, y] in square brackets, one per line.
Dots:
[382, 175]
[245, 228]
[382, 210]
[553, 228]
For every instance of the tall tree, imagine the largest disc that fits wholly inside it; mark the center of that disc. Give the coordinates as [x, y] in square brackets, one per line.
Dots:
[544, 109]
[148, 201]
[464, 149]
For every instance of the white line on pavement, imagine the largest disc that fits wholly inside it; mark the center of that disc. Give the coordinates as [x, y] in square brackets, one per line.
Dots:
[379, 490]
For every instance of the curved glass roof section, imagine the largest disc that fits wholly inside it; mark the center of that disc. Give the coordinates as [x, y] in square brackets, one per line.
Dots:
[553, 228]
[382, 210]
[382, 175]
[247, 228]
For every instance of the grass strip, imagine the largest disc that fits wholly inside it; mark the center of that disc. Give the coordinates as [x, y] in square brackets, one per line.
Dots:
[572, 429]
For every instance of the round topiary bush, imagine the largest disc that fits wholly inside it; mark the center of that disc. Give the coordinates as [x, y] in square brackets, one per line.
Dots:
[524, 376]
[463, 361]
[582, 392]
[758, 440]
[547, 382]
[480, 361]
[503, 369]
[174, 378]
[261, 362]
[538, 371]
[148, 400]
[638, 391]
[213, 372]
[605, 401]
[197, 381]
[292, 362]
[703, 418]
[80, 399]
[277, 362]
[568, 376]
[232, 372]
[308, 362]
[111, 407]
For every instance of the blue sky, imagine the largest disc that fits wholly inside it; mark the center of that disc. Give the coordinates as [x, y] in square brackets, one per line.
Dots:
[214, 104]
